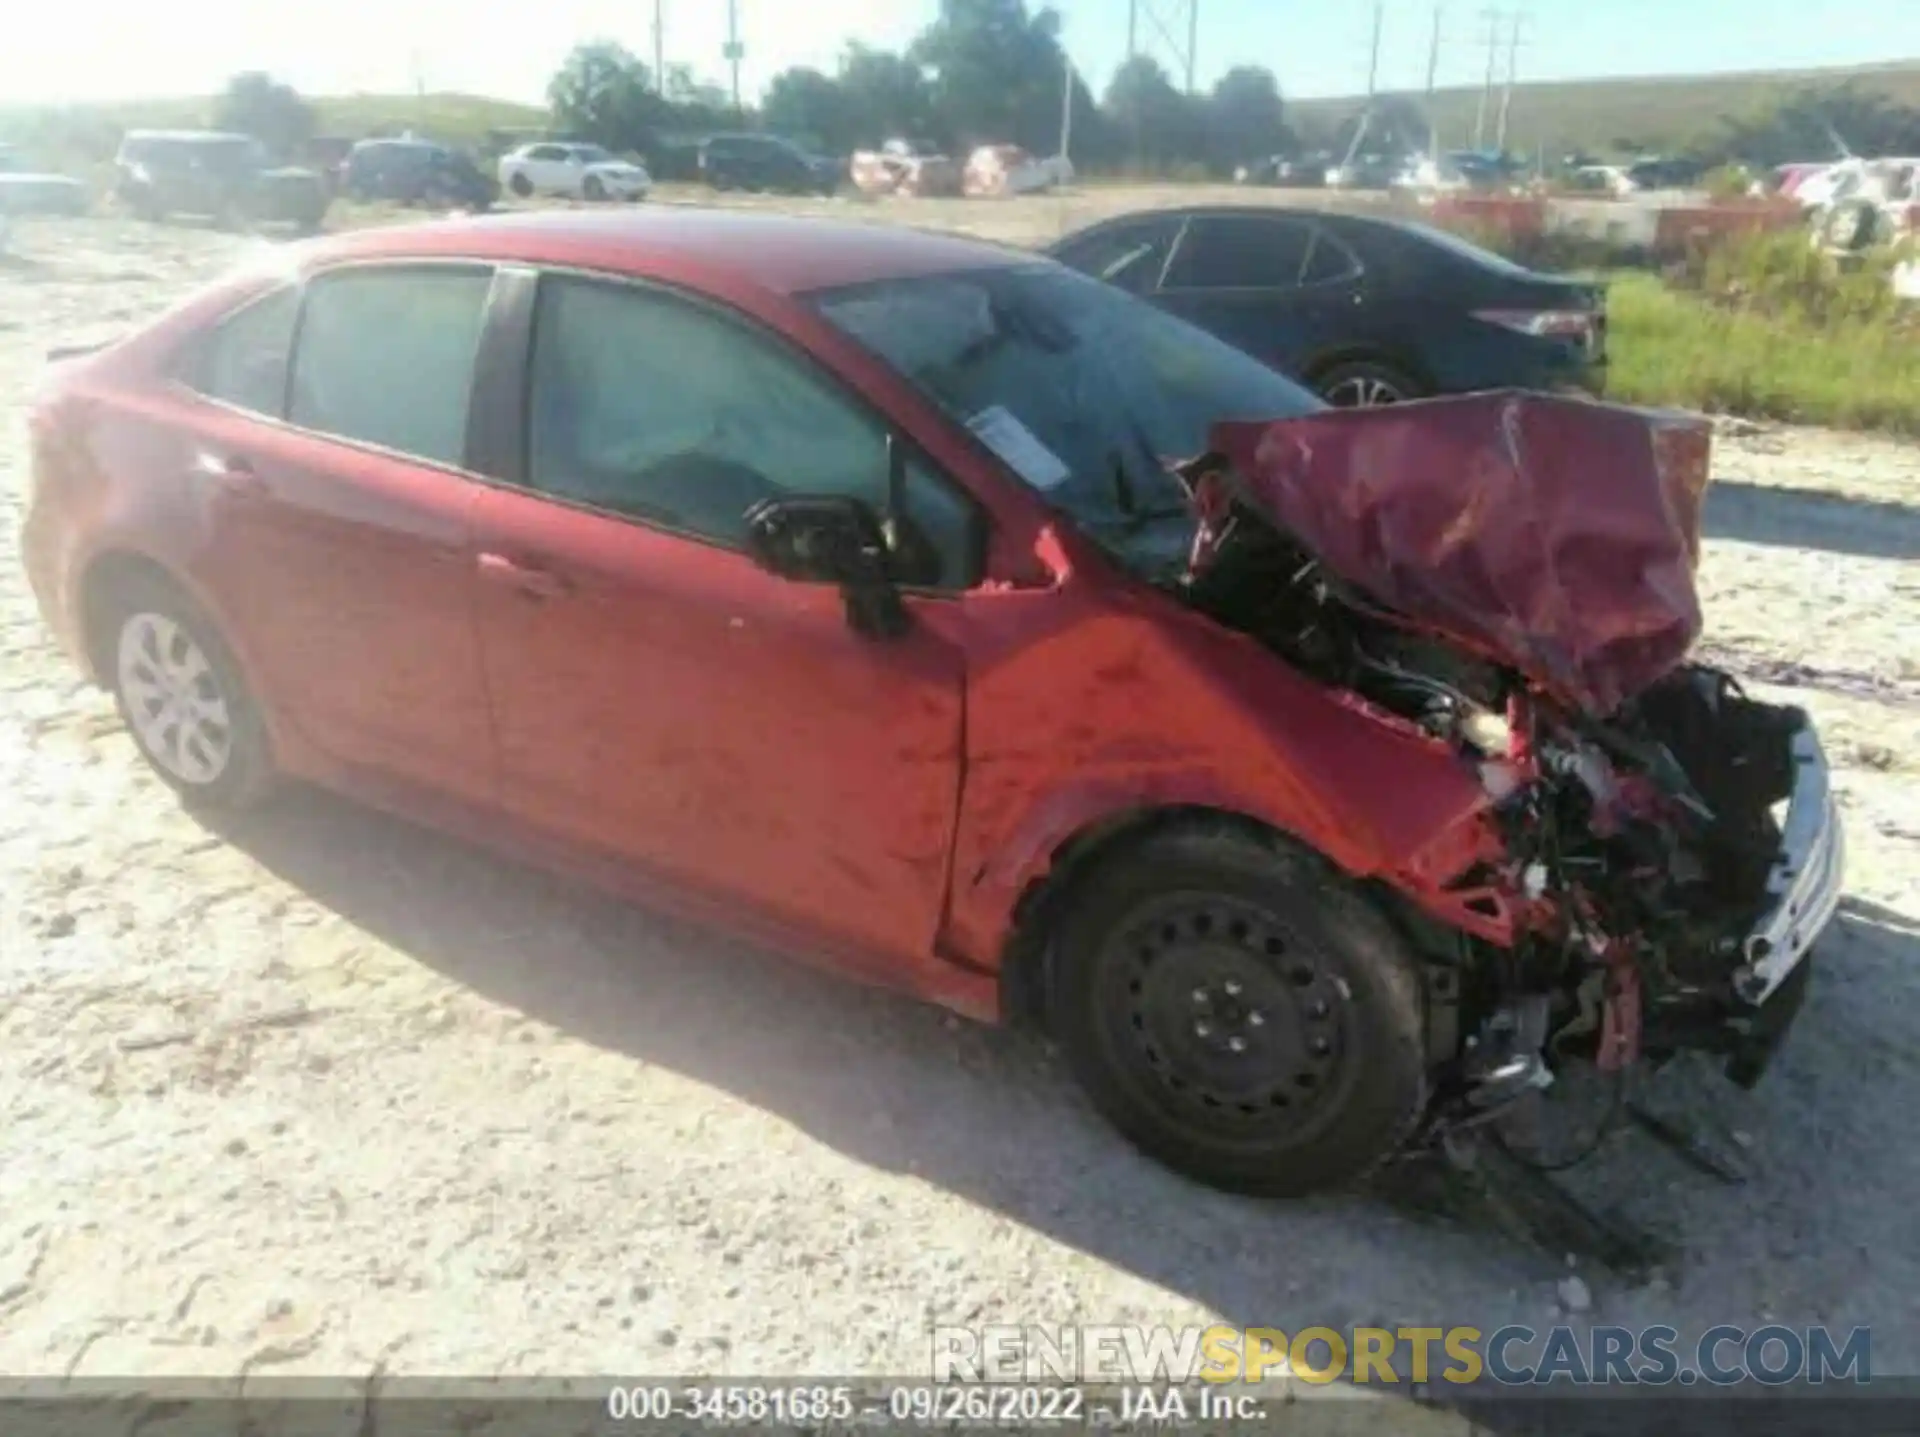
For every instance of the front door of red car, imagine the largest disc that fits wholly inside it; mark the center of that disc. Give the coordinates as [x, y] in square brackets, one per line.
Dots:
[342, 551]
[656, 695]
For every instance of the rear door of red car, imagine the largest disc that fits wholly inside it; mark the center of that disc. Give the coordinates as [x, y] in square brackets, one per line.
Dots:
[341, 512]
[659, 697]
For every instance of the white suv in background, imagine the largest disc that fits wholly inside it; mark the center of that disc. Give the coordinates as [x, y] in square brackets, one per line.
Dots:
[581, 172]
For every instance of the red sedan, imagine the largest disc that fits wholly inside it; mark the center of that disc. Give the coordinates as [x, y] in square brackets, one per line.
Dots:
[904, 602]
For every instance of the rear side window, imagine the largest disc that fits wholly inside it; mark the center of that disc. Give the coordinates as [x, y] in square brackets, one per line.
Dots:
[243, 361]
[385, 357]
[1241, 253]
[1328, 261]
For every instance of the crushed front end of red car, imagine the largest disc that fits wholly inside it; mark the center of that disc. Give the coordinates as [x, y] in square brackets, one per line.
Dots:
[1514, 573]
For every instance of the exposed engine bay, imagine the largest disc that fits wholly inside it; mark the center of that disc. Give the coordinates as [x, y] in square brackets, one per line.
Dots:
[1640, 852]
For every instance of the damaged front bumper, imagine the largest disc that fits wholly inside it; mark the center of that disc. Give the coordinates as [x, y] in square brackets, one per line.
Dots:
[1803, 888]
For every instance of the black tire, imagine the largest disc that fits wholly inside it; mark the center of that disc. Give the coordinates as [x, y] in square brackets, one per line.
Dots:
[593, 188]
[248, 774]
[1203, 936]
[521, 185]
[1343, 385]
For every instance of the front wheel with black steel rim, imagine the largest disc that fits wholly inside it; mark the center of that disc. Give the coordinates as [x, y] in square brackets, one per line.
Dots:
[182, 698]
[1240, 1012]
[1366, 385]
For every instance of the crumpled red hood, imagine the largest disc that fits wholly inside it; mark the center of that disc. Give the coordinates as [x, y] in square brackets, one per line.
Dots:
[1558, 535]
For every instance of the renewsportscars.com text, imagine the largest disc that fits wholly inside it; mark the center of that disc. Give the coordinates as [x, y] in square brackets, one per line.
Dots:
[1510, 1356]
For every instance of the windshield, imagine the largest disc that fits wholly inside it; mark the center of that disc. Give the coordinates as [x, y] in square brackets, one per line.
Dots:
[1085, 392]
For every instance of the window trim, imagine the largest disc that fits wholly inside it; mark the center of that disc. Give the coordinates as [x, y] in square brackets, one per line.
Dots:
[520, 338]
[1281, 216]
[1355, 269]
[303, 286]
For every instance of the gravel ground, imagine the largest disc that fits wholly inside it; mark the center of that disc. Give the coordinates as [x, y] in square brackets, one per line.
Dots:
[319, 1090]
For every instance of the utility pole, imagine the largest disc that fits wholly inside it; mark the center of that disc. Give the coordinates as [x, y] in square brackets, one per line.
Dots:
[1513, 67]
[1492, 17]
[734, 49]
[1133, 28]
[1433, 71]
[660, 47]
[1193, 42]
[1373, 60]
[1066, 104]
[1433, 52]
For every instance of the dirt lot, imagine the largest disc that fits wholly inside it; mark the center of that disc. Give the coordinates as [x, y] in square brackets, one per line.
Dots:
[319, 1090]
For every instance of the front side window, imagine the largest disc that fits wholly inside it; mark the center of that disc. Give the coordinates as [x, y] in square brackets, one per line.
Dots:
[385, 356]
[243, 361]
[651, 406]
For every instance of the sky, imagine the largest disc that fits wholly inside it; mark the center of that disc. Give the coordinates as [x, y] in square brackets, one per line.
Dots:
[111, 49]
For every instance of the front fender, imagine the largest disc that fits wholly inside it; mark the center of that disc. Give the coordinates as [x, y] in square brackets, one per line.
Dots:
[1146, 705]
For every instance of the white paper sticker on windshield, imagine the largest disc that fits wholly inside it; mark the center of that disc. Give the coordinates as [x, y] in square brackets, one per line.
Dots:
[1002, 432]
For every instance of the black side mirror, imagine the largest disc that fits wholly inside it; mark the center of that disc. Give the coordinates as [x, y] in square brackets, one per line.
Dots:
[830, 539]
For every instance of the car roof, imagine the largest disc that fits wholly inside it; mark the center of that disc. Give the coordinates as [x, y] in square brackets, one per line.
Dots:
[777, 253]
[1343, 222]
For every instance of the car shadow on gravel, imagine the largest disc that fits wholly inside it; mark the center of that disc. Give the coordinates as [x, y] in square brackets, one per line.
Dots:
[988, 1115]
[1792, 518]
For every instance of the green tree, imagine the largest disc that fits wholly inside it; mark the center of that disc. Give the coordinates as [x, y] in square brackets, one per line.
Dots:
[997, 73]
[1244, 117]
[254, 103]
[1159, 126]
[887, 95]
[604, 94]
[807, 105]
[1812, 124]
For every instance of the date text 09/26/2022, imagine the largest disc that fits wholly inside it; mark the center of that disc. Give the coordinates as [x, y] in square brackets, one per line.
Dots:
[915, 1403]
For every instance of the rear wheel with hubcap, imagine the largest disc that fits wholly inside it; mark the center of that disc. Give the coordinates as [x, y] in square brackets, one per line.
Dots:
[520, 184]
[182, 698]
[1240, 1012]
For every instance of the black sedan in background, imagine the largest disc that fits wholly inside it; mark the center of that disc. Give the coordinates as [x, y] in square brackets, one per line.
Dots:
[1361, 310]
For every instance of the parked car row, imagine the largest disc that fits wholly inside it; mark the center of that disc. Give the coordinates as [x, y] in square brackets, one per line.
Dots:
[26, 192]
[760, 162]
[220, 176]
[570, 171]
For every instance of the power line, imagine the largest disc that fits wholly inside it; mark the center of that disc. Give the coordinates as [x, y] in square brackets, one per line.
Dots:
[1373, 58]
[1514, 41]
[734, 49]
[1492, 18]
[660, 46]
[1433, 52]
[1433, 70]
[1164, 17]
